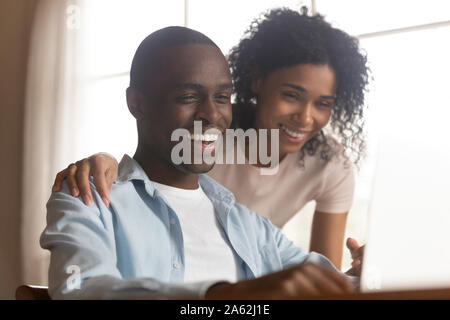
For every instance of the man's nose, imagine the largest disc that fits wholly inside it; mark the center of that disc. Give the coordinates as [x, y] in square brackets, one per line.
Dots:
[208, 111]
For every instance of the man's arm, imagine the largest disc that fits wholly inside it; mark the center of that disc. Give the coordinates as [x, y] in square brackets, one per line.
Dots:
[291, 255]
[302, 281]
[81, 238]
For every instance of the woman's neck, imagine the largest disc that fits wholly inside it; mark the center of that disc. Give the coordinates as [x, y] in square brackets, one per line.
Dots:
[259, 163]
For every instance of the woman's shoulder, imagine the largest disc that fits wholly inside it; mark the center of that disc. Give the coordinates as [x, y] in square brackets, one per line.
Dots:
[337, 181]
[328, 160]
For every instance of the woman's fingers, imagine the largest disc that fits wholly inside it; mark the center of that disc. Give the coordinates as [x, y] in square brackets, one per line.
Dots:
[356, 263]
[106, 184]
[361, 251]
[355, 249]
[102, 167]
[73, 186]
[101, 172]
[352, 244]
[68, 174]
[60, 176]
[358, 253]
[102, 187]
[356, 272]
[82, 178]
[111, 175]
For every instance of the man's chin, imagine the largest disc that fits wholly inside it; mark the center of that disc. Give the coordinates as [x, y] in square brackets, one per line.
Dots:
[196, 168]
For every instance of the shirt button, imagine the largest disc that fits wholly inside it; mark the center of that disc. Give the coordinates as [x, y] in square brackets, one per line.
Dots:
[172, 221]
[176, 265]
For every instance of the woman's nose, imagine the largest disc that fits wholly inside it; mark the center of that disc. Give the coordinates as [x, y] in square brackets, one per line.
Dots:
[304, 116]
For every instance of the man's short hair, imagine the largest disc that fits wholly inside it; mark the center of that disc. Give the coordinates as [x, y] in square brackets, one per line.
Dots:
[148, 54]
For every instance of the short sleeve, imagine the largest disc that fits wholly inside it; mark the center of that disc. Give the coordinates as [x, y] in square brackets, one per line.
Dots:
[336, 195]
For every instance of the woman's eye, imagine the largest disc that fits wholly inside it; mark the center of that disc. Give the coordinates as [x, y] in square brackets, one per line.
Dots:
[290, 95]
[325, 104]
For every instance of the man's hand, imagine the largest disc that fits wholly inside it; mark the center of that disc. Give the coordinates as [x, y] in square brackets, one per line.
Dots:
[102, 166]
[357, 253]
[298, 282]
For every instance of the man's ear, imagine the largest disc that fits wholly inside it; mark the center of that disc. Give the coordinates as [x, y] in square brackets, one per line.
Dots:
[136, 102]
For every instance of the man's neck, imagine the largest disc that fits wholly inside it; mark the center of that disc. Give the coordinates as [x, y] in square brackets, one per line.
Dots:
[161, 171]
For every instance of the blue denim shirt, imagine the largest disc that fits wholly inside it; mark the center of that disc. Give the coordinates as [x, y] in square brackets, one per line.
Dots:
[134, 249]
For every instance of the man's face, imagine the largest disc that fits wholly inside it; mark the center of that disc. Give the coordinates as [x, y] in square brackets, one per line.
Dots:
[193, 84]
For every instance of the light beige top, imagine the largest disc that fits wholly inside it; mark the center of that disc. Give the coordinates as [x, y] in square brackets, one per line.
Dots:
[279, 197]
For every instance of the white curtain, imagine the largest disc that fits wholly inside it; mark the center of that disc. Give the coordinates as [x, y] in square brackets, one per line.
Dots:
[80, 54]
[51, 94]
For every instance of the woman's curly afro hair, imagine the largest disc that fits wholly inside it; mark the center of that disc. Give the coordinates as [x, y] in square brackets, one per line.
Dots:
[282, 38]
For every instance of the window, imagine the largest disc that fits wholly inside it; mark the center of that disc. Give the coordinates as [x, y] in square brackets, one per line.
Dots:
[110, 32]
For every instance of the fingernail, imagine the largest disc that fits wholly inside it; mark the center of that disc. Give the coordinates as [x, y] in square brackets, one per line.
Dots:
[106, 201]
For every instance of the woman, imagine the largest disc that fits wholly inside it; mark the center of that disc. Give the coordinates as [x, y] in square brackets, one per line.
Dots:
[295, 73]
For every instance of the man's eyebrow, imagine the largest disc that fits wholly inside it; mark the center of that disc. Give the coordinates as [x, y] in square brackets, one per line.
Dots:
[224, 86]
[196, 86]
[301, 89]
[189, 85]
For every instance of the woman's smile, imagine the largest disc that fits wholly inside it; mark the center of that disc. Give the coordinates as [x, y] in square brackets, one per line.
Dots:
[293, 135]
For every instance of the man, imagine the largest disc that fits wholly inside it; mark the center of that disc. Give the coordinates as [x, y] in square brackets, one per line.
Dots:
[169, 231]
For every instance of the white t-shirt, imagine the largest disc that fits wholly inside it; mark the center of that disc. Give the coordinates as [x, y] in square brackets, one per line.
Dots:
[207, 251]
[279, 197]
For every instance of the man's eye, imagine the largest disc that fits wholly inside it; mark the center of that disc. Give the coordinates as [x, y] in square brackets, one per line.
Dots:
[186, 98]
[223, 98]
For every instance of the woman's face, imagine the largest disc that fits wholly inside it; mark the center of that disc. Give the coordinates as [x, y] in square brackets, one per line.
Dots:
[297, 100]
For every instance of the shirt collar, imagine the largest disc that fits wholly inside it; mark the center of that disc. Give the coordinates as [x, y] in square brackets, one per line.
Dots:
[129, 169]
[215, 191]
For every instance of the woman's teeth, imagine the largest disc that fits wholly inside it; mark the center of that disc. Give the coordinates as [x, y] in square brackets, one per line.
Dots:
[203, 137]
[293, 134]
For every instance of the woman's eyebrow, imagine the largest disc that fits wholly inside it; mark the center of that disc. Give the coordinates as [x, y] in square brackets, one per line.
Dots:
[301, 89]
[295, 86]
[329, 97]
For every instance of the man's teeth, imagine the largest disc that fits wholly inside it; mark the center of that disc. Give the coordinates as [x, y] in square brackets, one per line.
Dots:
[204, 137]
[293, 134]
